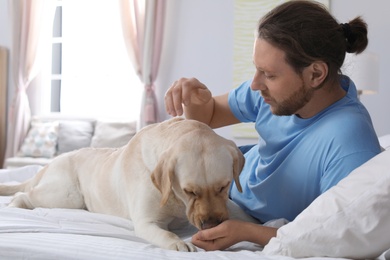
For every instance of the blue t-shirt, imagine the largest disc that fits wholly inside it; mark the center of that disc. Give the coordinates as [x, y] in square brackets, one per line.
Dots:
[298, 159]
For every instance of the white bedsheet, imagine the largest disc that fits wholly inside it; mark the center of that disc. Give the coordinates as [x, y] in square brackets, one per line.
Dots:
[78, 234]
[69, 234]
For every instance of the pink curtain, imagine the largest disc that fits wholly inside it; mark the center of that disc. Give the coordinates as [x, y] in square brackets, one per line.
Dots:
[32, 22]
[143, 24]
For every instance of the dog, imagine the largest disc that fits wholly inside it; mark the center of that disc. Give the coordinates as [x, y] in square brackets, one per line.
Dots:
[176, 170]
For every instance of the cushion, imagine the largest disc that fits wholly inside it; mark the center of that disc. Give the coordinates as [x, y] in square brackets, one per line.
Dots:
[41, 140]
[74, 134]
[350, 220]
[113, 134]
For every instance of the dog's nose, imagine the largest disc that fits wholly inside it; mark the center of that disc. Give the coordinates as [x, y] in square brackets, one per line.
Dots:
[209, 223]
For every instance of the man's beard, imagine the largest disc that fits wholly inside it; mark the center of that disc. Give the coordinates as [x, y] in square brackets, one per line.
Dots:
[293, 103]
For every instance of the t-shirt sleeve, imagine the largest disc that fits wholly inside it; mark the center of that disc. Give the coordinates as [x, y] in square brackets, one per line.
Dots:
[244, 102]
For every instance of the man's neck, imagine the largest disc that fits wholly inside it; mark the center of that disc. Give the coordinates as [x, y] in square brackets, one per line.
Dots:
[321, 99]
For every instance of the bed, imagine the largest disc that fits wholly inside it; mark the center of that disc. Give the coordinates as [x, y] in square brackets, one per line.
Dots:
[351, 220]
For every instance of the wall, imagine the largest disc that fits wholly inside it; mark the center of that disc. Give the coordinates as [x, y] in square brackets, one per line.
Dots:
[374, 13]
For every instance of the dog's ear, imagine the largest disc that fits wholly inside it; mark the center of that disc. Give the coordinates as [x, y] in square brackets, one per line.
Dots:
[162, 176]
[238, 164]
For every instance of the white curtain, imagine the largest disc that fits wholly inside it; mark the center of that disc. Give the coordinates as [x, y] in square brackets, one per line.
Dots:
[143, 25]
[32, 22]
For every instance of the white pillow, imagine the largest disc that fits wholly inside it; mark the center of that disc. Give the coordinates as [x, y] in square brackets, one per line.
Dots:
[113, 134]
[385, 141]
[74, 134]
[350, 220]
[41, 140]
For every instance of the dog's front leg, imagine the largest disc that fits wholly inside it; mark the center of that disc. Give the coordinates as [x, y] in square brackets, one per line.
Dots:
[161, 237]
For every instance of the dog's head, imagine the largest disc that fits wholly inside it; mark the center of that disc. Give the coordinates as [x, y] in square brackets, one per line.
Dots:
[200, 176]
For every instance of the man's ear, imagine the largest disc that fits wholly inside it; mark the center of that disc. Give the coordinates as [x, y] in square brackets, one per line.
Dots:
[317, 73]
[162, 176]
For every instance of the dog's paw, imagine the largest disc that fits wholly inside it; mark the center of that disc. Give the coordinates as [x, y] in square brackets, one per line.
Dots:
[183, 247]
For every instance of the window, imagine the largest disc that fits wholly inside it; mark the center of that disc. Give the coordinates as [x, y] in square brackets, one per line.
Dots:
[56, 60]
[91, 72]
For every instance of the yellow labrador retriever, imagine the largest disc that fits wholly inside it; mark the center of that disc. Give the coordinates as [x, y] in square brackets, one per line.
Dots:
[173, 170]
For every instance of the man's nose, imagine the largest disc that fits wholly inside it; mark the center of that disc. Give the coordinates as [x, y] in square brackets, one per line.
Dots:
[258, 82]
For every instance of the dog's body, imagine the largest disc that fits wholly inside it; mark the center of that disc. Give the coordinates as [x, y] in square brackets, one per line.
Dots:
[175, 169]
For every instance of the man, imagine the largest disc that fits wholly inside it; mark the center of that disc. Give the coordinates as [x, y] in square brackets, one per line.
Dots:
[313, 131]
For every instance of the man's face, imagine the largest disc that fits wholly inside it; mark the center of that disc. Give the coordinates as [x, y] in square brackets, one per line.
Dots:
[281, 87]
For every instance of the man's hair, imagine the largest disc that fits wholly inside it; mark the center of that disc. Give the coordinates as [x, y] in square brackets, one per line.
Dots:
[307, 32]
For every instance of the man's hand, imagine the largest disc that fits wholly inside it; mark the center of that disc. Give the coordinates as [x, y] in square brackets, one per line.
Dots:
[220, 237]
[231, 232]
[185, 92]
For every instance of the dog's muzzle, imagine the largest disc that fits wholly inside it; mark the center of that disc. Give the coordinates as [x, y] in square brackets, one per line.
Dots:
[210, 223]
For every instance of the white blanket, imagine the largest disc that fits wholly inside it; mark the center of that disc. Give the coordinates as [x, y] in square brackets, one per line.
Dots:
[79, 234]
[64, 234]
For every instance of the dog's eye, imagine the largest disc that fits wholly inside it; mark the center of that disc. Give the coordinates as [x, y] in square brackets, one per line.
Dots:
[191, 193]
[223, 188]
